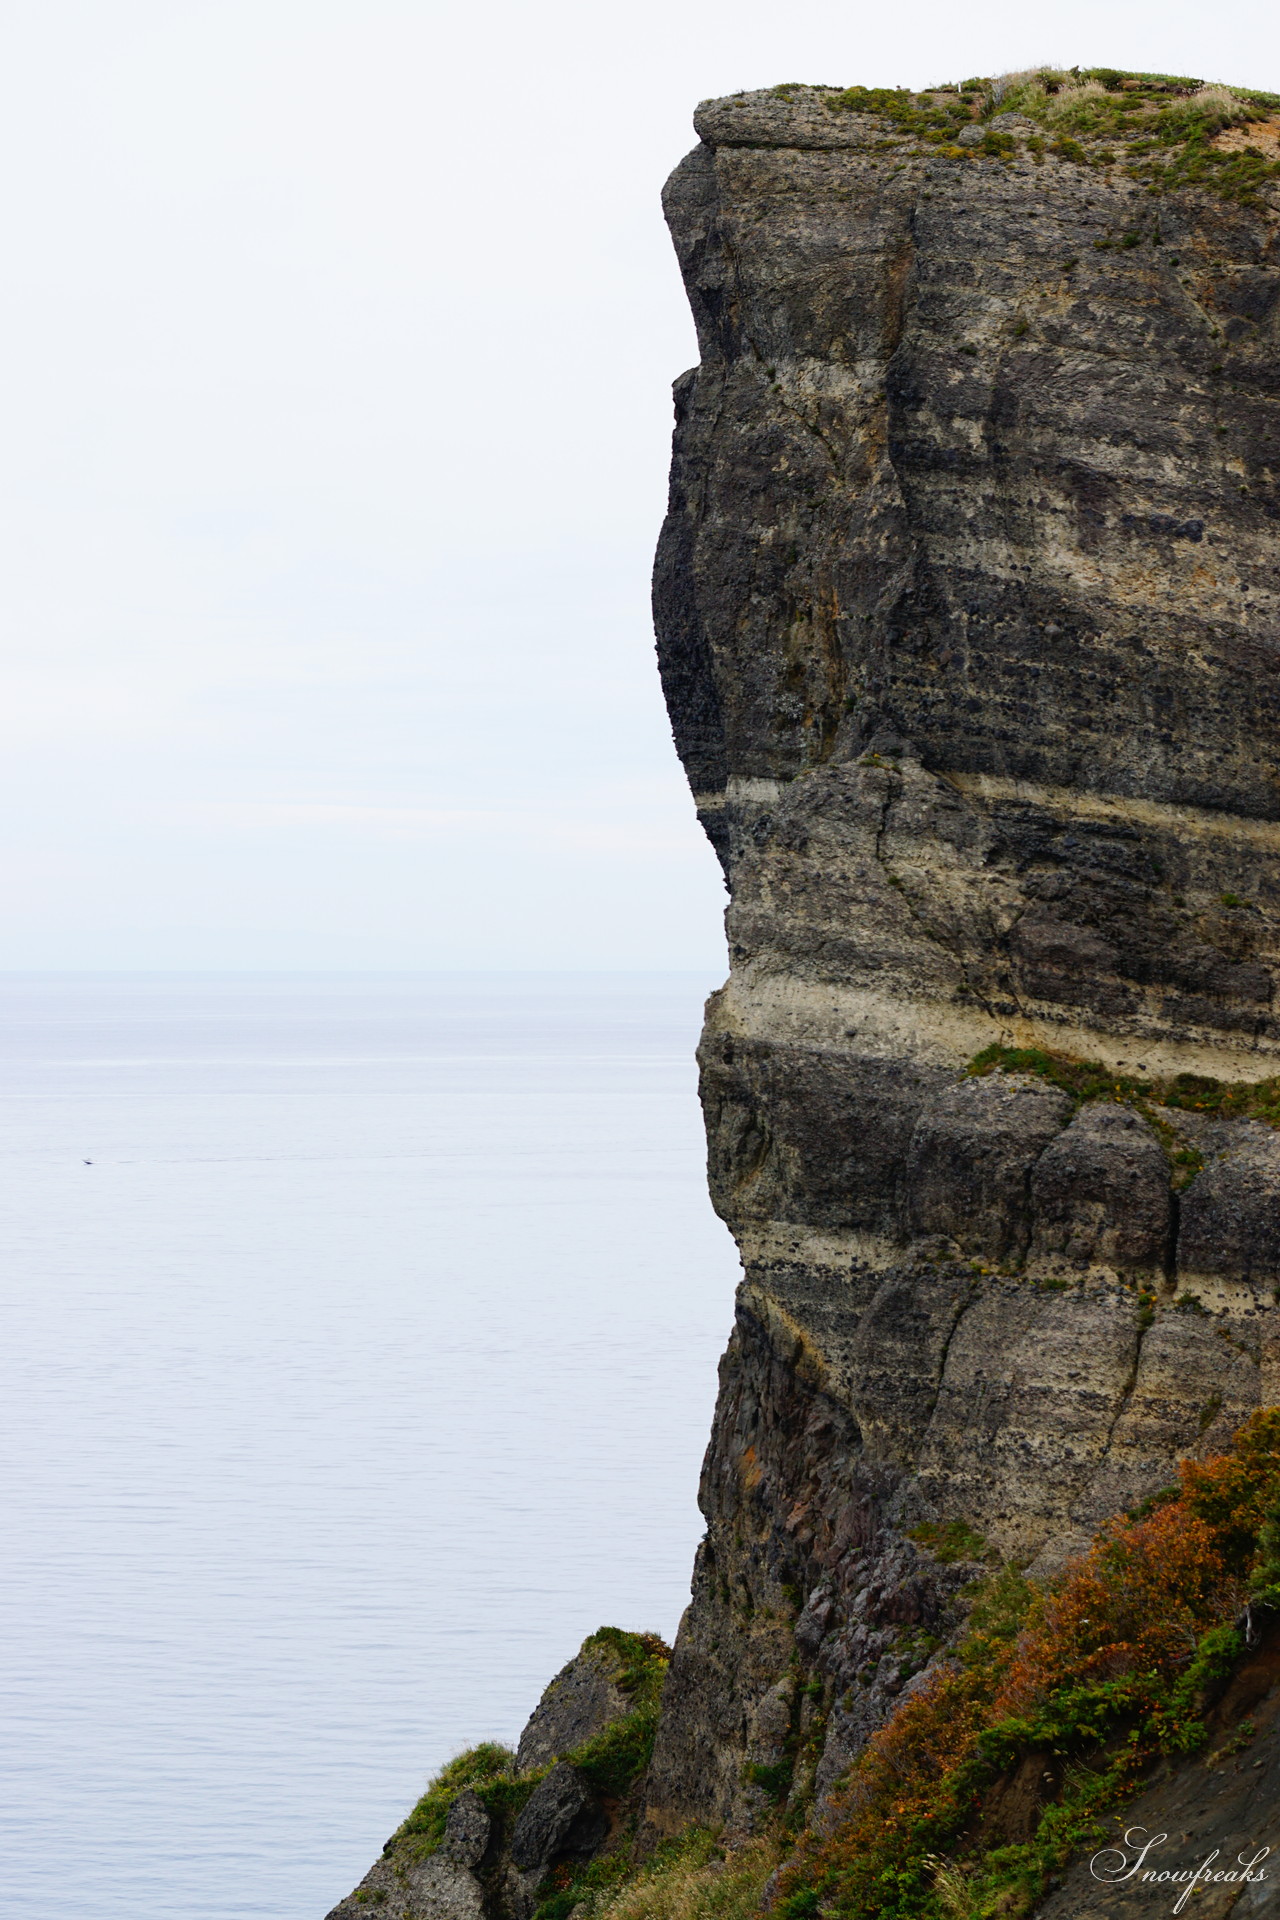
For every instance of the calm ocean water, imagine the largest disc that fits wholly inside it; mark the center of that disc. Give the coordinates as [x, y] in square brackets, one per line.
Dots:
[366, 1368]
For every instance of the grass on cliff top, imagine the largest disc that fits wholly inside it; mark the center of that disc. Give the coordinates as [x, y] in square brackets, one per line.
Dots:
[1159, 126]
[481, 1768]
[612, 1761]
[641, 1661]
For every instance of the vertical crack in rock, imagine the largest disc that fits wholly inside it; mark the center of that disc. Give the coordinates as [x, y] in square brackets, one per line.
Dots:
[961, 1309]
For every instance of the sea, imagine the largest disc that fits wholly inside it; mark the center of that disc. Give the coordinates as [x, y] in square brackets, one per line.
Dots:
[357, 1360]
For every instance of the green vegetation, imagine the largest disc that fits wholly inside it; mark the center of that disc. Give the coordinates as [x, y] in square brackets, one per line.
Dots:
[1091, 1678]
[568, 1887]
[483, 1769]
[951, 1542]
[775, 1780]
[1210, 1411]
[689, 1878]
[1095, 1677]
[611, 1762]
[921, 114]
[619, 1755]
[642, 1660]
[1154, 1098]
[1163, 126]
[694, 1878]
[1244, 1736]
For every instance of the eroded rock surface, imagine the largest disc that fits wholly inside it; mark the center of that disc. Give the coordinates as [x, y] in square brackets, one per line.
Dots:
[582, 1700]
[967, 610]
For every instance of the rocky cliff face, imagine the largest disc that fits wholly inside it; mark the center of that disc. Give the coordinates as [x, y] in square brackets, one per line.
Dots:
[968, 606]
[968, 611]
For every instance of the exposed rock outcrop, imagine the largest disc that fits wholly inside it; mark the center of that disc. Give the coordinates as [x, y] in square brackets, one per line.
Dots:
[968, 606]
[968, 613]
[494, 1825]
[584, 1698]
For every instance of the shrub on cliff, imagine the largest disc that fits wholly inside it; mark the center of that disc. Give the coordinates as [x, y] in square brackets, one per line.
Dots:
[1166, 124]
[1096, 1675]
[479, 1768]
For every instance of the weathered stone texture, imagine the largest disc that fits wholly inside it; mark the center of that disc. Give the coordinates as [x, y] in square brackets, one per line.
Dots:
[1100, 1193]
[579, 1703]
[968, 612]
[968, 615]
[437, 1888]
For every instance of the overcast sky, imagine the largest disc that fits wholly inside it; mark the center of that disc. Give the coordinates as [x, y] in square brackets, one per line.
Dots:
[336, 366]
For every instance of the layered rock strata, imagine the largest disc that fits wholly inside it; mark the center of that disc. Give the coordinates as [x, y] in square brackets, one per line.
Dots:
[968, 613]
[968, 608]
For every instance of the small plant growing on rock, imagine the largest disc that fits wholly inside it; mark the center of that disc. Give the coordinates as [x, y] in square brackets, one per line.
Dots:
[1210, 1411]
[1188, 1092]
[950, 1541]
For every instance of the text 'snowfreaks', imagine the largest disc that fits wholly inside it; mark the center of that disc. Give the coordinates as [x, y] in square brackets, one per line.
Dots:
[1115, 1866]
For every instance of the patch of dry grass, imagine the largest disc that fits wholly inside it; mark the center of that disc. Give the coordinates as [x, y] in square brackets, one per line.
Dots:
[694, 1879]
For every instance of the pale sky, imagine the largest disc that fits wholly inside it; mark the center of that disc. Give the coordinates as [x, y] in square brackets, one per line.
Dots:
[336, 363]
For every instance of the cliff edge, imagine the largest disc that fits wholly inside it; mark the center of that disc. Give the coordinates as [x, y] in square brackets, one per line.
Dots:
[968, 616]
[968, 610]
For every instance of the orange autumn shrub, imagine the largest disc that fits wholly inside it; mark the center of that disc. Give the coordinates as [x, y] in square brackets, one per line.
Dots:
[1237, 1493]
[1137, 1603]
[1107, 1662]
[908, 1760]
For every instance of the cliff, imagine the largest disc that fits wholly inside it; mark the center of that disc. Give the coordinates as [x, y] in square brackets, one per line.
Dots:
[968, 614]
[968, 608]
